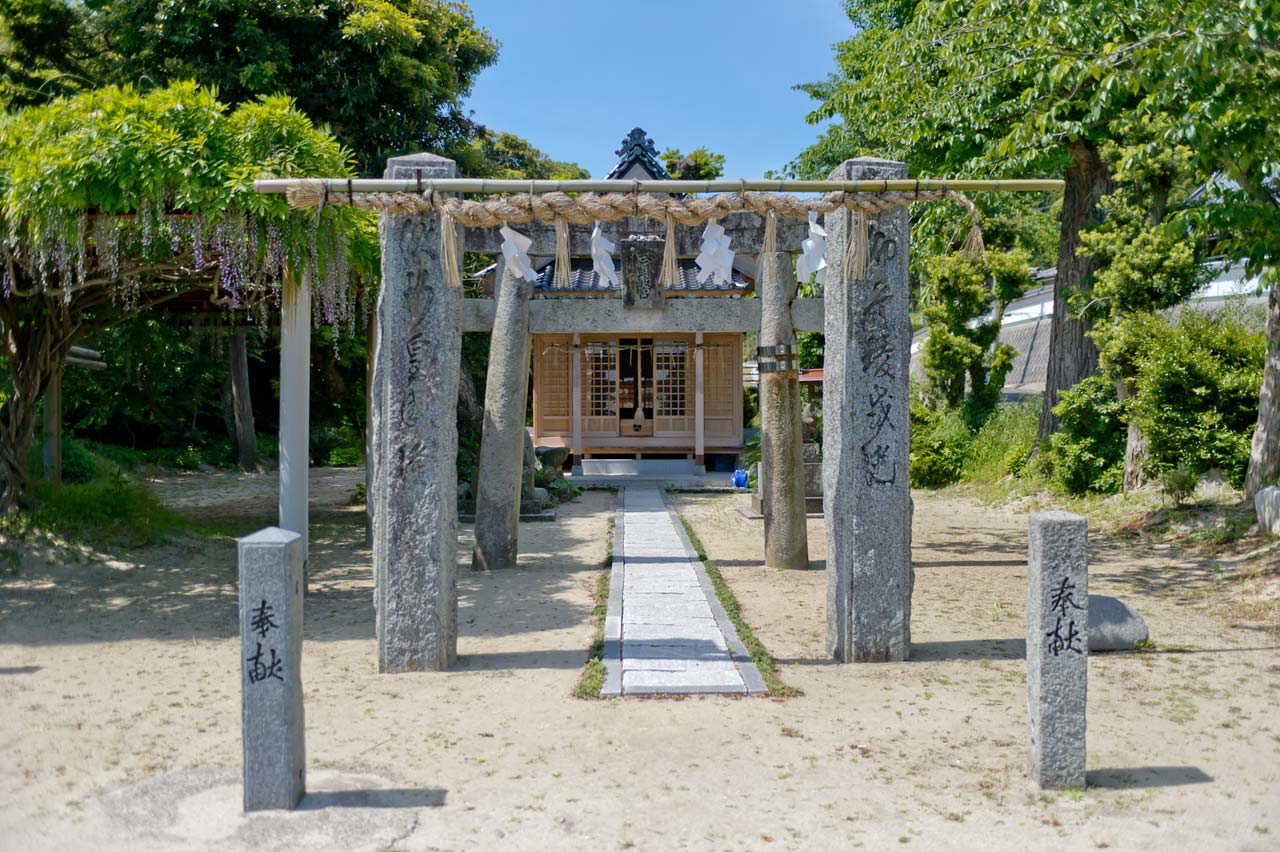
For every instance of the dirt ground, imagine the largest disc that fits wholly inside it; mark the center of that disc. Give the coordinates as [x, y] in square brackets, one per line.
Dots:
[119, 689]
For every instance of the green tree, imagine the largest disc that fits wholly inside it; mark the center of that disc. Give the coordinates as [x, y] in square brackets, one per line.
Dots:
[114, 201]
[699, 164]
[494, 154]
[967, 299]
[386, 76]
[1038, 87]
[47, 49]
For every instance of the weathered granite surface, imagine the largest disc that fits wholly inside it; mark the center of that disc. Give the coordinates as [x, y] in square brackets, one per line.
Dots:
[415, 440]
[1114, 625]
[503, 437]
[273, 732]
[786, 541]
[1057, 647]
[1267, 503]
[867, 435]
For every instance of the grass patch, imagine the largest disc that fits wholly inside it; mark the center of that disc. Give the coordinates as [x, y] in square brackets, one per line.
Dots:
[593, 672]
[110, 510]
[105, 512]
[759, 654]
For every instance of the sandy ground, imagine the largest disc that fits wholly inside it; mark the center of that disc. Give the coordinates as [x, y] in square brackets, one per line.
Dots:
[119, 679]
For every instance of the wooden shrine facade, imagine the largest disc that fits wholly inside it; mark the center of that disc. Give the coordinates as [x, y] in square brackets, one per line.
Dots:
[656, 395]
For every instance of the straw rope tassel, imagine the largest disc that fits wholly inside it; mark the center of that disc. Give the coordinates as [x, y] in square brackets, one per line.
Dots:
[449, 264]
[561, 280]
[669, 277]
[770, 245]
[973, 246]
[856, 254]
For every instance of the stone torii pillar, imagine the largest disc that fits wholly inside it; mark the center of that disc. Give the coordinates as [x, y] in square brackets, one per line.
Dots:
[786, 541]
[866, 434]
[498, 474]
[415, 444]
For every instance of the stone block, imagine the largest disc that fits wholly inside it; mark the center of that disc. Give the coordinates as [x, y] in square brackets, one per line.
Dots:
[813, 453]
[642, 272]
[813, 479]
[867, 433]
[1267, 503]
[1057, 647]
[271, 715]
[1114, 625]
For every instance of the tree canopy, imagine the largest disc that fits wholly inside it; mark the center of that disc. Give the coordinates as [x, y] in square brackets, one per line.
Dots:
[699, 164]
[1040, 87]
[116, 200]
[386, 76]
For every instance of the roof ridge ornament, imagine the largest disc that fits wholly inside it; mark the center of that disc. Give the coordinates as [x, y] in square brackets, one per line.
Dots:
[637, 142]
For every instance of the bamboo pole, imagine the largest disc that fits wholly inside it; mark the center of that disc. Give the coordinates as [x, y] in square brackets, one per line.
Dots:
[478, 186]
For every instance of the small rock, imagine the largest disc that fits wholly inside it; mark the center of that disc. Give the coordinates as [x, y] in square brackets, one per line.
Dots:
[1114, 625]
[541, 495]
[1268, 505]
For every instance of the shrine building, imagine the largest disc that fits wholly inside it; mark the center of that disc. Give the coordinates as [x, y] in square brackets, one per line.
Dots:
[645, 395]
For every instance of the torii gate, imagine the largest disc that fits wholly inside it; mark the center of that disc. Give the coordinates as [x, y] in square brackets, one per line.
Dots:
[421, 316]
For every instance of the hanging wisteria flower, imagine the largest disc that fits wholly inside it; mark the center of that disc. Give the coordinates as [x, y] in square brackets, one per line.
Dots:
[715, 258]
[602, 258]
[813, 253]
[515, 248]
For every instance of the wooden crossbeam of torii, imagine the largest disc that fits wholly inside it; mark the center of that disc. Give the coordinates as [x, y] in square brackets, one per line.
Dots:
[77, 356]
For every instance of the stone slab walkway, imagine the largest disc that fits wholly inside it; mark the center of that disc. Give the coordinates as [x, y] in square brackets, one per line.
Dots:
[665, 631]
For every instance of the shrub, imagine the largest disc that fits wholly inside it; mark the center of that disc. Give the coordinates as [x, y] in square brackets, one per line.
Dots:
[1179, 482]
[940, 446]
[345, 457]
[78, 464]
[1087, 453]
[1004, 441]
[1198, 382]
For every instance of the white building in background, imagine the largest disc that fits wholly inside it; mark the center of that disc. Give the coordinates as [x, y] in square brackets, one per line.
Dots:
[1028, 320]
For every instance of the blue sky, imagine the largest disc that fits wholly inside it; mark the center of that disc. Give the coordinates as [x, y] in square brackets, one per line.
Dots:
[574, 76]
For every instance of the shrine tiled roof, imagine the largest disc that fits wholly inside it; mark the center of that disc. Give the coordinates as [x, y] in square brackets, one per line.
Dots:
[637, 150]
[583, 279]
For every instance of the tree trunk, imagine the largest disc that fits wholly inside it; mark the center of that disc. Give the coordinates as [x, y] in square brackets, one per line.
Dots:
[32, 348]
[242, 403]
[1264, 457]
[1072, 353]
[1135, 446]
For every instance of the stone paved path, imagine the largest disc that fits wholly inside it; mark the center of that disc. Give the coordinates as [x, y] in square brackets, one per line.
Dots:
[665, 630]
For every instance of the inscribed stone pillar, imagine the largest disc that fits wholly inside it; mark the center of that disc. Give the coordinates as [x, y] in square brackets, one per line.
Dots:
[498, 474]
[786, 542]
[1057, 647]
[271, 715]
[416, 439]
[866, 440]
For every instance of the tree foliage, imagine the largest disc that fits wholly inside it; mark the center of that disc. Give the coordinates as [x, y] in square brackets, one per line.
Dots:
[47, 49]
[1040, 87]
[699, 164]
[113, 201]
[386, 76]
[494, 154]
[966, 301]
